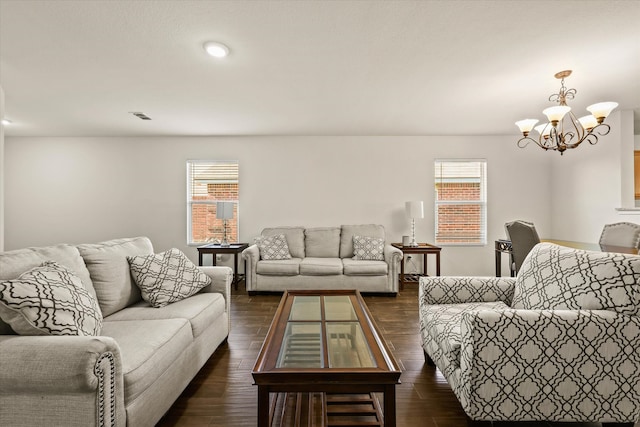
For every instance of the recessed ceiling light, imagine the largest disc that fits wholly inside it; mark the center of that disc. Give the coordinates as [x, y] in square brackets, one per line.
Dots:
[6, 122]
[215, 49]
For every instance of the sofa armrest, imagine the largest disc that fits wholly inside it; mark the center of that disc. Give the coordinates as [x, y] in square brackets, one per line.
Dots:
[392, 255]
[457, 290]
[61, 380]
[393, 258]
[583, 363]
[221, 279]
[252, 256]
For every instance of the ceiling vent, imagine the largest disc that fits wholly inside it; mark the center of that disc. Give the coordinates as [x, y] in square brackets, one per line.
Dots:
[141, 116]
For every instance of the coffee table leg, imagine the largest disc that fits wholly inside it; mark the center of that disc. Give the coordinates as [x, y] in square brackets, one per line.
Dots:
[263, 406]
[390, 406]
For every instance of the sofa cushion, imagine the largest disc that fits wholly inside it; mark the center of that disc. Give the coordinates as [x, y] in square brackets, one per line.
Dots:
[148, 348]
[166, 277]
[348, 231]
[443, 324]
[49, 300]
[368, 248]
[295, 238]
[14, 263]
[352, 267]
[559, 278]
[273, 247]
[109, 269]
[201, 310]
[321, 266]
[279, 267]
[322, 242]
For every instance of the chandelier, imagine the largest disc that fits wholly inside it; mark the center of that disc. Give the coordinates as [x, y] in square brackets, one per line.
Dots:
[559, 134]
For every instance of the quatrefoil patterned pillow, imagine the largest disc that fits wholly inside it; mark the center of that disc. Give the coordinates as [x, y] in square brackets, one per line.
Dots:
[166, 277]
[273, 247]
[368, 248]
[49, 300]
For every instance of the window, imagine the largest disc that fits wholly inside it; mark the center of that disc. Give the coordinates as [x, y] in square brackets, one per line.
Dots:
[461, 202]
[209, 182]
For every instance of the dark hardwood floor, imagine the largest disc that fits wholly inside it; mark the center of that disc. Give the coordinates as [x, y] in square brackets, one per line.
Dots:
[223, 394]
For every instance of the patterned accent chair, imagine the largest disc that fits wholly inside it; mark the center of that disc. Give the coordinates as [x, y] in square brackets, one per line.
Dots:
[561, 342]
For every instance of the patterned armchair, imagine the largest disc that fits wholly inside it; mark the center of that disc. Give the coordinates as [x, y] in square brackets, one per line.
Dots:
[561, 342]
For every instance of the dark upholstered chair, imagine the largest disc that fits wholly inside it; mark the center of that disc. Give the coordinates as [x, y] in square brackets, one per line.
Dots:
[626, 234]
[524, 237]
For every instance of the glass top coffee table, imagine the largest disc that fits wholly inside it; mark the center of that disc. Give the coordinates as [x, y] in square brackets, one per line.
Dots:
[324, 341]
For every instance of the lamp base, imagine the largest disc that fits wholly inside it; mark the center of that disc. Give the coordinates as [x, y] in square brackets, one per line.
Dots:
[225, 242]
[413, 243]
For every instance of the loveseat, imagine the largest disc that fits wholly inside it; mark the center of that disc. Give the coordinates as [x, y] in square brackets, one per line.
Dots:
[560, 342]
[323, 258]
[141, 358]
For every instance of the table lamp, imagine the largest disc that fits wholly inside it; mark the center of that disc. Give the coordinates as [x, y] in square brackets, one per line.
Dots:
[224, 211]
[414, 210]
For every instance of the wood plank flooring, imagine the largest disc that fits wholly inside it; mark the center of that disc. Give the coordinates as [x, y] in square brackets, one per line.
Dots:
[223, 394]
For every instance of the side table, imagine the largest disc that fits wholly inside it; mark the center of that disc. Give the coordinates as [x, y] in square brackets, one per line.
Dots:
[233, 248]
[424, 249]
[503, 246]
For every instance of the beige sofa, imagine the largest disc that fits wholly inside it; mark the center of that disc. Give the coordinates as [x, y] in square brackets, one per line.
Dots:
[130, 374]
[322, 258]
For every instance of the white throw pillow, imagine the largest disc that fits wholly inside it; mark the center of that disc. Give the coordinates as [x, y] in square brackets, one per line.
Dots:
[49, 300]
[166, 277]
[368, 248]
[273, 247]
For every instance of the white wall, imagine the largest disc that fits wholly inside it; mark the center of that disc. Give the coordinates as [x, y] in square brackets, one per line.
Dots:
[91, 189]
[590, 182]
[1, 171]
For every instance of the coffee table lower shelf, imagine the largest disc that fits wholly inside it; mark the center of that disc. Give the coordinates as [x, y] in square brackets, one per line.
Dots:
[325, 410]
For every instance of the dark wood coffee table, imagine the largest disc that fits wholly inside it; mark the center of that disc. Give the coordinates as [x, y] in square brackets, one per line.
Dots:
[325, 341]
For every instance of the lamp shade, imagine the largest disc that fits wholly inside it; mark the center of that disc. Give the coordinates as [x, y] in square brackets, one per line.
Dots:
[556, 113]
[588, 122]
[414, 209]
[526, 125]
[224, 210]
[544, 129]
[601, 109]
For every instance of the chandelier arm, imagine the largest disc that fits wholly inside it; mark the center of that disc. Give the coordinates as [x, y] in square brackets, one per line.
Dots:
[603, 129]
[570, 136]
[524, 141]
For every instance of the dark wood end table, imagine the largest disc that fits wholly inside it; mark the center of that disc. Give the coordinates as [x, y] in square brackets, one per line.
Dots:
[233, 248]
[424, 249]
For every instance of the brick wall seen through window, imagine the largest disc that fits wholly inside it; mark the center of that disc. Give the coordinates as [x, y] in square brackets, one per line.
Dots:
[460, 188]
[208, 183]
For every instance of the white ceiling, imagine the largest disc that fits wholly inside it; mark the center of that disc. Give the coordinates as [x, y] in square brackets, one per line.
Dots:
[72, 68]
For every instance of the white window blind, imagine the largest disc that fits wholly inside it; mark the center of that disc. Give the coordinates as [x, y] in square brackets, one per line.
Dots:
[209, 182]
[461, 202]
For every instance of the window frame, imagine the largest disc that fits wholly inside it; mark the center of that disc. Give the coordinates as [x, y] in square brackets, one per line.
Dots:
[190, 202]
[483, 180]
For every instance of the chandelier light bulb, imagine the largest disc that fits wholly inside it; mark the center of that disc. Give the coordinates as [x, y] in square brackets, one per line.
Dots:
[526, 125]
[601, 110]
[555, 114]
[544, 129]
[588, 122]
[215, 49]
